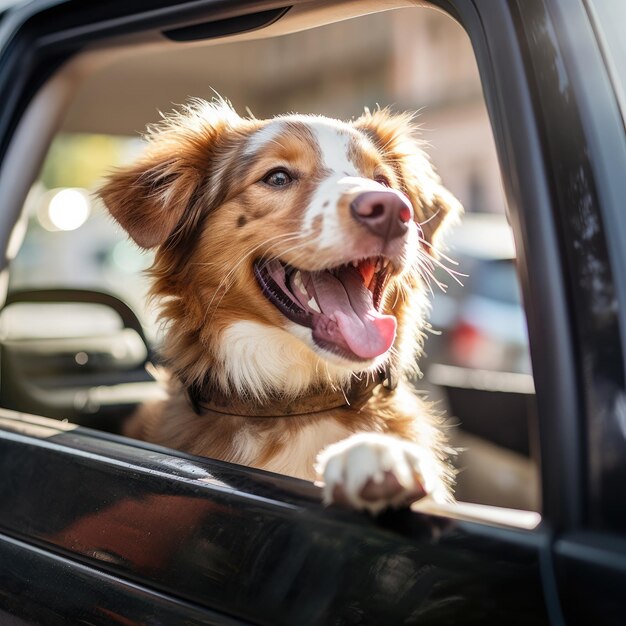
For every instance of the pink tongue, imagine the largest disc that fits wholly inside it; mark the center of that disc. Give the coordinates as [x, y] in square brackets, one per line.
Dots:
[349, 302]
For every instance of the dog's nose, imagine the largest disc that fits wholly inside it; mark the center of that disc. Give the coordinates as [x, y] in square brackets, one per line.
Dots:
[386, 214]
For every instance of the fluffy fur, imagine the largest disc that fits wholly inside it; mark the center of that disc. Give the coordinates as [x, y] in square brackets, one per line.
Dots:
[200, 196]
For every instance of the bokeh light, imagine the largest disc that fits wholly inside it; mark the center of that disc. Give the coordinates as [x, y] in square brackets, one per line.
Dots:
[68, 209]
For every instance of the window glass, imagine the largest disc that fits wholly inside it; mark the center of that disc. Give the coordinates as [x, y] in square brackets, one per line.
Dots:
[417, 60]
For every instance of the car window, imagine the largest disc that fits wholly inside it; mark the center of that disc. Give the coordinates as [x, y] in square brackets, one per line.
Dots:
[414, 60]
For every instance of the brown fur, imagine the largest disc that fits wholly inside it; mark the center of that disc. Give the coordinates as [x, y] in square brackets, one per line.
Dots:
[194, 197]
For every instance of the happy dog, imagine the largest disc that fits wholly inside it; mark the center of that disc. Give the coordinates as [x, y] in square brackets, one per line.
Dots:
[292, 262]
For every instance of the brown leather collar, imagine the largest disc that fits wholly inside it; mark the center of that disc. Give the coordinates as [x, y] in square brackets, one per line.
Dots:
[207, 399]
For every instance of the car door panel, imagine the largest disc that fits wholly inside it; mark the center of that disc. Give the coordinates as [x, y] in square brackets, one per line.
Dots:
[252, 544]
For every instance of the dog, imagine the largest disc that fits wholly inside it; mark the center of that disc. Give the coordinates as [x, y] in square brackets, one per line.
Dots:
[293, 259]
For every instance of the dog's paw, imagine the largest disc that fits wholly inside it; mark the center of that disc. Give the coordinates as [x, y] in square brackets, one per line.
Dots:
[372, 472]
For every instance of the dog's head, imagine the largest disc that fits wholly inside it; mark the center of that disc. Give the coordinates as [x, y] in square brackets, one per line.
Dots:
[287, 249]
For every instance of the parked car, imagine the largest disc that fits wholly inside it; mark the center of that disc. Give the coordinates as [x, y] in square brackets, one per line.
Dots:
[478, 358]
[479, 317]
[99, 529]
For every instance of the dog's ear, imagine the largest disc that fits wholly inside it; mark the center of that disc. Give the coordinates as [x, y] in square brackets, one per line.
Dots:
[395, 135]
[149, 198]
[159, 194]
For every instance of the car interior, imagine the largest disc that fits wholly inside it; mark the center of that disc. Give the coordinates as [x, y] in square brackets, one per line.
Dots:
[78, 339]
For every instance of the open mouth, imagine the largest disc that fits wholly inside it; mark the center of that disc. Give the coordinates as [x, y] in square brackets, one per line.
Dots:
[341, 305]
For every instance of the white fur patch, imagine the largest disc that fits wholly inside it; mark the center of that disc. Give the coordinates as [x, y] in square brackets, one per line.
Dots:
[334, 145]
[324, 203]
[364, 457]
[328, 132]
[263, 136]
[259, 360]
[297, 458]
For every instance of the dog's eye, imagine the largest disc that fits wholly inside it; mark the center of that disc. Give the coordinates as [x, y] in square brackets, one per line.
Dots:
[278, 178]
[382, 180]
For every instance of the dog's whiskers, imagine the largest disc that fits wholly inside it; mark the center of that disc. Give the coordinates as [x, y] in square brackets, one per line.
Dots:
[426, 270]
[223, 286]
[429, 262]
[285, 237]
[437, 251]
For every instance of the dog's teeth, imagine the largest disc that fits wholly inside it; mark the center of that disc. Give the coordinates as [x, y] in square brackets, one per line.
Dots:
[386, 263]
[313, 305]
[297, 281]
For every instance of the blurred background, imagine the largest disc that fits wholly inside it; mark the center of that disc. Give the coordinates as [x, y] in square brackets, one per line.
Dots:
[335, 70]
[476, 363]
